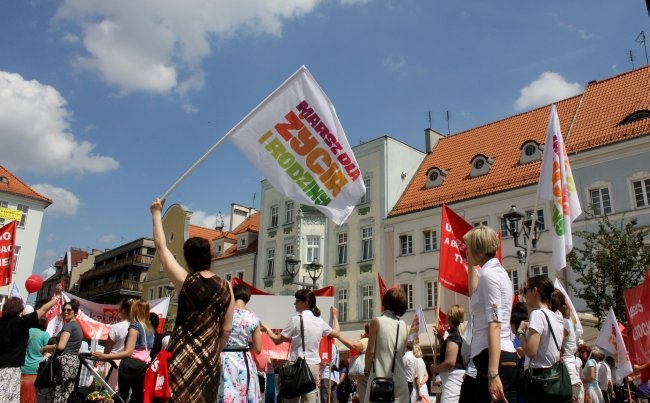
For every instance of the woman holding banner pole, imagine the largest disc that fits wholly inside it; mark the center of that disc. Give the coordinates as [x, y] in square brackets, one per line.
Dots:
[492, 351]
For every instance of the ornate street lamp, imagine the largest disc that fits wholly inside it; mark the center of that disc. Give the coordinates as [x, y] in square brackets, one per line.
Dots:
[170, 290]
[315, 270]
[530, 228]
[290, 265]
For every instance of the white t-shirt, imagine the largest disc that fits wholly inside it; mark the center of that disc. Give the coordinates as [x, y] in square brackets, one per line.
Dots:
[547, 352]
[118, 333]
[315, 329]
[604, 375]
[491, 302]
[410, 366]
[569, 348]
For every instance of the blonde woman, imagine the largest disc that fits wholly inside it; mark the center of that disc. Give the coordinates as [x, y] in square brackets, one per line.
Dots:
[492, 351]
[422, 378]
[135, 357]
[451, 367]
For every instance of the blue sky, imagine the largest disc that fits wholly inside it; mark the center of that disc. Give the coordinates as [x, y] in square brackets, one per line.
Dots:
[104, 104]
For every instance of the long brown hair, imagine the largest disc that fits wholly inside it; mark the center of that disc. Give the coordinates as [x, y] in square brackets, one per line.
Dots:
[140, 313]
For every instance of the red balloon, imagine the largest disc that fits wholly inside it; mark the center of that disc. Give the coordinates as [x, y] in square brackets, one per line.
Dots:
[33, 283]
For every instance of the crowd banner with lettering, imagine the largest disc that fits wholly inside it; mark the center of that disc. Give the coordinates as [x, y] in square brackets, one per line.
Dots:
[7, 242]
[610, 339]
[294, 138]
[453, 261]
[556, 186]
[637, 305]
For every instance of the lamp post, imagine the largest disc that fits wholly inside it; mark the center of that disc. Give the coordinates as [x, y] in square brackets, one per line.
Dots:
[315, 270]
[290, 265]
[530, 227]
[170, 290]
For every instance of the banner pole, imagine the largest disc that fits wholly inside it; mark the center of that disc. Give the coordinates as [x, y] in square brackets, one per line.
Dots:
[236, 127]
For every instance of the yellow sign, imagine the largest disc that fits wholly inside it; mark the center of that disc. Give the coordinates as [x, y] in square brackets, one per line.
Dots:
[10, 214]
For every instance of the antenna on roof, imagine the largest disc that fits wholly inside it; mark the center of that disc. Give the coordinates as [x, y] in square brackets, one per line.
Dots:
[641, 39]
[631, 58]
[429, 119]
[448, 119]
[254, 195]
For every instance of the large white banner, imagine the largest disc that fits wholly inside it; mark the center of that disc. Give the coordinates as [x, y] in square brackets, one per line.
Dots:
[276, 310]
[294, 138]
[611, 340]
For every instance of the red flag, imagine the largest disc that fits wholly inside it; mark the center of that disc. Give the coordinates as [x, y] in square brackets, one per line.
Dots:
[325, 291]
[382, 287]
[442, 322]
[453, 261]
[7, 242]
[637, 304]
[254, 291]
[325, 349]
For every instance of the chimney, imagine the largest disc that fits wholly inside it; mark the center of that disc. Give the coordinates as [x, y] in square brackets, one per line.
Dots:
[431, 138]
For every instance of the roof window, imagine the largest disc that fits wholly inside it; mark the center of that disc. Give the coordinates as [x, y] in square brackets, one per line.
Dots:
[435, 177]
[638, 115]
[481, 165]
[4, 179]
[530, 151]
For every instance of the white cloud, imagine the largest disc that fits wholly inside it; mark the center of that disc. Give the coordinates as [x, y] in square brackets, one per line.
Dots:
[48, 272]
[395, 63]
[108, 238]
[158, 46]
[35, 131]
[549, 87]
[64, 201]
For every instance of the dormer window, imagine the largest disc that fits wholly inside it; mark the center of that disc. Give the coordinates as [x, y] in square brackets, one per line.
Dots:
[481, 165]
[638, 115]
[4, 179]
[435, 177]
[242, 242]
[218, 249]
[530, 151]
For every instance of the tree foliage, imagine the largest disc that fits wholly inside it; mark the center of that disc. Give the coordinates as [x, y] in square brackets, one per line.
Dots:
[611, 260]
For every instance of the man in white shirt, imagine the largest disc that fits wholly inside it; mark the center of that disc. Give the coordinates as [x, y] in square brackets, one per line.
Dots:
[328, 381]
[116, 339]
[604, 374]
[410, 366]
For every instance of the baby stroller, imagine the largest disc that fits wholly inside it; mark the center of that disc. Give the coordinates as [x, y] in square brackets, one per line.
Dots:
[91, 385]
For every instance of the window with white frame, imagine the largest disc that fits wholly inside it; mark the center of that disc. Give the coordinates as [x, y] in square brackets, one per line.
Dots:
[514, 278]
[270, 262]
[478, 223]
[313, 248]
[503, 227]
[274, 216]
[405, 245]
[600, 200]
[408, 290]
[540, 217]
[366, 196]
[288, 250]
[3, 204]
[430, 240]
[539, 270]
[431, 289]
[16, 256]
[342, 248]
[641, 192]
[342, 295]
[288, 212]
[240, 275]
[366, 243]
[23, 219]
[366, 302]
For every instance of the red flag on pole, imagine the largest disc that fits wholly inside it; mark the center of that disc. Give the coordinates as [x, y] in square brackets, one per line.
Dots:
[7, 242]
[382, 287]
[453, 261]
[254, 291]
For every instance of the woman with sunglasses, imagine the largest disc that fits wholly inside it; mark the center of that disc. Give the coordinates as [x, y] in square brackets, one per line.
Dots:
[68, 345]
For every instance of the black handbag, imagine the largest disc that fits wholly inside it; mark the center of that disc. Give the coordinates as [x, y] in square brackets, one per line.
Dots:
[549, 384]
[132, 367]
[382, 389]
[295, 377]
[49, 373]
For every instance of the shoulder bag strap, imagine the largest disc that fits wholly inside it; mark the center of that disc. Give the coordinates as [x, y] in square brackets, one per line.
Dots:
[392, 369]
[552, 333]
[302, 336]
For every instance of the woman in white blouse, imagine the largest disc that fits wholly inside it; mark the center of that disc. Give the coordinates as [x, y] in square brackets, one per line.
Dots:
[492, 351]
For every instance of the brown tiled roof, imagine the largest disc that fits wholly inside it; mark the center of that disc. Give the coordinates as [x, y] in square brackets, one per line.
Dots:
[233, 250]
[251, 224]
[207, 233]
[15, 186]
[598, 113]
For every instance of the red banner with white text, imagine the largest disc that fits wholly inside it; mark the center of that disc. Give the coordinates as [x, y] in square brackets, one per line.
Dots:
[453, 261]
[637, 306]
[7, 242]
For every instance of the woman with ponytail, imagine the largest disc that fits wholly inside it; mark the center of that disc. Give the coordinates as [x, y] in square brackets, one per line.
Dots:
[314, 327]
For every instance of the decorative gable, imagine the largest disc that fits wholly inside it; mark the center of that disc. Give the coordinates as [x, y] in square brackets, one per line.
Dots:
[481, 165]
[531, 151]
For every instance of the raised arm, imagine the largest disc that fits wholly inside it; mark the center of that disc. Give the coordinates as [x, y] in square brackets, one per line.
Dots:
[174, 271]
[40, 312]
[352, 345]
[336, 329]
[372, 341]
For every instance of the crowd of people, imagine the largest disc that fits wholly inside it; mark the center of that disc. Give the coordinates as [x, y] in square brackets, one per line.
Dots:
[215, 340]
